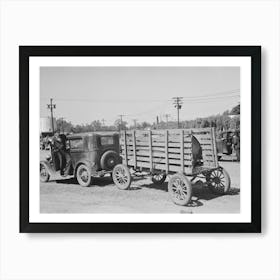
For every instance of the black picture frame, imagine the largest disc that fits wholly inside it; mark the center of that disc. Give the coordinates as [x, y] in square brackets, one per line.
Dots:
[25, 52]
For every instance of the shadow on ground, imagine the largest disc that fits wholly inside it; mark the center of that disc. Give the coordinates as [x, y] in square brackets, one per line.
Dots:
[200, 190]
[98, 181]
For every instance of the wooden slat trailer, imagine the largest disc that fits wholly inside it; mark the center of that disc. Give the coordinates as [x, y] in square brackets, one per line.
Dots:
[176, 152]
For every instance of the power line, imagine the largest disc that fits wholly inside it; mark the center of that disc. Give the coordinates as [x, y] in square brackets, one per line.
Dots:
[222, 94]
[215, 94]
[152, 110]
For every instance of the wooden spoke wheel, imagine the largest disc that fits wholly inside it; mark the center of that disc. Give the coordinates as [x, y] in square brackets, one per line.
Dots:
[44, 174]
[180, 189]
[218, 181]
[121, 176]
[158, 178]
[83, 175]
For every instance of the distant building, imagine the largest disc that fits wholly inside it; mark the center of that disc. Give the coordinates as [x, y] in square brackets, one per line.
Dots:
[46, 126]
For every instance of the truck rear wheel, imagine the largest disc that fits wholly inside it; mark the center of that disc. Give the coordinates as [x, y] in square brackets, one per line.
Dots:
[180, 189]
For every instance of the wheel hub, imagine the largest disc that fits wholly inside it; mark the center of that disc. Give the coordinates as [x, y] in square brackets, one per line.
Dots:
[43, 172]
[84, 175]
[121, 177]
[217, 180]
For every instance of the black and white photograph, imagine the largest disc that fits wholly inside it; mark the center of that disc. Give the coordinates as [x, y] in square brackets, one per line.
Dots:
[140, 140]
[142, 135]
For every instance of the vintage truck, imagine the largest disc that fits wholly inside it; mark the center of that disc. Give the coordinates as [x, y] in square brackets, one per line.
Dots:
[92, 154]
[225, 142]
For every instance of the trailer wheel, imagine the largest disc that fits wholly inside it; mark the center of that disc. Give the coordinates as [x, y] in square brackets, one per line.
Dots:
[180, 189]
[218, 181]
[121, 176]
[44, 174]
[158, 178]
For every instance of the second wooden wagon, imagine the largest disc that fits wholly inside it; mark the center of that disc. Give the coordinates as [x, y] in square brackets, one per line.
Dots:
[181, 153]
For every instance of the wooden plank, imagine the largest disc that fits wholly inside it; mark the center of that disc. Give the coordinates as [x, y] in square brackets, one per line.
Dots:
[201, 130]
[187, 151]
[158, 166]
[182, 151]
[163, 155]
[205, 142]
[125, 148]
[160, 154]
[161, 160]
[134, 149]
[173, 131]
[157, 133]
[166, 152]
[214, 147]
[157, 144]
[161, 140]
[151, 151]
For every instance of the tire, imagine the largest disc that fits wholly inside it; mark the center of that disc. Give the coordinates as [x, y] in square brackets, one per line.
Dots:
[44, 174]
[180, 189]
[158, 178]
[218, 181]
[109, 160]
[83, 175]
[121, 177]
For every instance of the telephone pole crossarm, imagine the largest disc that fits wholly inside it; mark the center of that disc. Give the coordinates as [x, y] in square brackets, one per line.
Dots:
[178, 103]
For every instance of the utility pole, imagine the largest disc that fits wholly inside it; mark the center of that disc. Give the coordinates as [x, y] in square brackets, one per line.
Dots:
[51, 106]
[157, 122]
[121, 124]
[166, 117]
[62, 128]
[178, 102]
[135, 123]
[103, 122]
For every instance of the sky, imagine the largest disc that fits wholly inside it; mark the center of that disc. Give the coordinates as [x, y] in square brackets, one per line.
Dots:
[84, 94]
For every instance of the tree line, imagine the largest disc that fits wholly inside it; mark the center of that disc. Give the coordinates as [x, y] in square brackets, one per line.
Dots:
[229, 119]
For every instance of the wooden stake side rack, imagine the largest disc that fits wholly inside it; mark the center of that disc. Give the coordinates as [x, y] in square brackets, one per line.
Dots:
[169, 151]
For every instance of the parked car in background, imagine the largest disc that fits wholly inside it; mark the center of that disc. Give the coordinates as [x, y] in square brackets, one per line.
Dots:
[228, 142]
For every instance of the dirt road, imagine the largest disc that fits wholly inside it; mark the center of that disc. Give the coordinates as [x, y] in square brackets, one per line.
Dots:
[66, 196]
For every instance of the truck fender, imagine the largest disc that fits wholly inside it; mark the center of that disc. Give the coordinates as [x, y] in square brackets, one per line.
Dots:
[48, 166]
[91, 165]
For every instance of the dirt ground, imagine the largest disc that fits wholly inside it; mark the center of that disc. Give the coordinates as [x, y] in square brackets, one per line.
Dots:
[67, 196]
